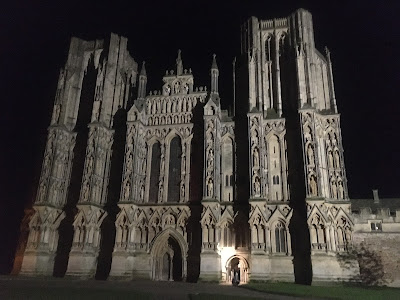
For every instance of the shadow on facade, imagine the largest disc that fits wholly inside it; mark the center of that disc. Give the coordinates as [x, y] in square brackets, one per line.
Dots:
[196, 191]
[66, 230]
[298, 227]
[114, 190]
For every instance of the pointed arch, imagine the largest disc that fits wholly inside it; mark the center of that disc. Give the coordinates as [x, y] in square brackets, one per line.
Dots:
[174, 171]
[154, 172]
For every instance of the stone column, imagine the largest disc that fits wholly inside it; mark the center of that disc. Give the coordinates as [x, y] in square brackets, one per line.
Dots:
[86, 245]
[51, 198]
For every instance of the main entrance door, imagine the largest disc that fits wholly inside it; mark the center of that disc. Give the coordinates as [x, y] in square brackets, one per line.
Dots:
[168, 261]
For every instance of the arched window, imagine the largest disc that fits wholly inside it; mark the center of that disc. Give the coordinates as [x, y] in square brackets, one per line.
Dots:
[280, 238]
[154, 172]
[226, 162]
[174, 175]
[268, 48]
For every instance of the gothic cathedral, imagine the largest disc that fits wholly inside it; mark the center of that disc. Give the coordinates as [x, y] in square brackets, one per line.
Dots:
[167, 185]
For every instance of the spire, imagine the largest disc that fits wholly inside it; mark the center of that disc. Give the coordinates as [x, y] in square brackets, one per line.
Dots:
[143, 71]
[214, 76]
[142, 82]
[214, 63]
[179, 64]
[330, 78]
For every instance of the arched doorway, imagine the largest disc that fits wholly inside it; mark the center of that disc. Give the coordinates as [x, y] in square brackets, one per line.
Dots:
[238, 264]
[168, 259]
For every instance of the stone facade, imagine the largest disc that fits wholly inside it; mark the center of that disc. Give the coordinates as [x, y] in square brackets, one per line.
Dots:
[169, 186]
[376, 239]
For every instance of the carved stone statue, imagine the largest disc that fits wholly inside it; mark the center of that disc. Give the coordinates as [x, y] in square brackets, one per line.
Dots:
[310, 155]
[210, 160]
[334, 189]
[167, 90]
[313, 186]
[330, 159]
[210, 188]
[182, 191]
[257, 187]
[307, 134]
[256, 158]
[337, 160]
[177, 87]
[127, 190]
[340, 190]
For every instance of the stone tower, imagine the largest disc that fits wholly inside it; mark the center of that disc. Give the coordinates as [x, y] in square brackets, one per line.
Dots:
[298, 196]
[95, 83]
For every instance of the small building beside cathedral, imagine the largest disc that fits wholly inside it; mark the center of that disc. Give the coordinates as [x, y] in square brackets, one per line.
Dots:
[166, 185]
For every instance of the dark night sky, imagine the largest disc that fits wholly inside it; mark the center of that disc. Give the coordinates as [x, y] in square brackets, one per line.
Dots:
[363, 36]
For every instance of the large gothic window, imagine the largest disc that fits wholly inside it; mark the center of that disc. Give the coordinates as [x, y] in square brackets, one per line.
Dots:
[280, 238]
[155, 172]
[227, 169]
[174, 175]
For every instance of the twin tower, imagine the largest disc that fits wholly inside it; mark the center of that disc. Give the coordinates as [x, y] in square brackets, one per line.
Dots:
[166, 185]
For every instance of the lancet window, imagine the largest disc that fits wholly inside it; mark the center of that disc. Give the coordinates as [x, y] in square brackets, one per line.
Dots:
[154, 172]
[174, 175]
[227, 169]
[280, 238]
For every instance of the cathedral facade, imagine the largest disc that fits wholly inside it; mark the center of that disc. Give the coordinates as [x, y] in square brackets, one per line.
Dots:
[167, 185]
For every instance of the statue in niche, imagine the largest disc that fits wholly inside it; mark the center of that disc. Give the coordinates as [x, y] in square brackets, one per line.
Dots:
[127, 189]
[167, 90]
[310, 155]
[85, 193]
[337, 160]
[257, 187]
[256, 158]
[129, 163]
[254, 137]
[168, 106]
[340, 190]
[210, 160]
[307, 134]
[210, 124]
[330, 159]
[90, 164]
[42, 190]
[177, 87]
[173, 106]
[209, 139]
[179, 105]
[186, 88]
[210, 188]
[182, 191]
[334, 189]
[313, 186]
[56, 113]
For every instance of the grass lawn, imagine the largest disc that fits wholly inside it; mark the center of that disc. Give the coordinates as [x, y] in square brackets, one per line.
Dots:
[73, 293]
[202, 296]
[326, 292]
